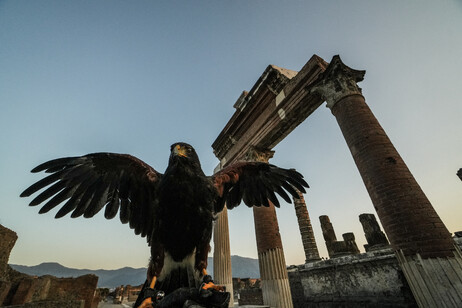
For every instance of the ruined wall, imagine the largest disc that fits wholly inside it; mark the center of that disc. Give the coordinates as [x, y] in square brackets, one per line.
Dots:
[21, 290]
[372, 279]
[7, 240]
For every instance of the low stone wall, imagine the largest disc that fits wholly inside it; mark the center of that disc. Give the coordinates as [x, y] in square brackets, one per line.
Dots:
[372, 279]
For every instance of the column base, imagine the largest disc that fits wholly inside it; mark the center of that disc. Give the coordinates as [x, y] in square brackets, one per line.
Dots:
[434, 282]
[275, 282]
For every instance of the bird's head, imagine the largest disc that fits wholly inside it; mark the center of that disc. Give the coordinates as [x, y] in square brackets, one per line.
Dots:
[183, 152]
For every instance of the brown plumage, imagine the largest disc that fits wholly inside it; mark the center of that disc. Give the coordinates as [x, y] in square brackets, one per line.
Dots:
[174, 210]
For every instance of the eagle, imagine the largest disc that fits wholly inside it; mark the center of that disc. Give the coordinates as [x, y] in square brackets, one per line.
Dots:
[175, 210]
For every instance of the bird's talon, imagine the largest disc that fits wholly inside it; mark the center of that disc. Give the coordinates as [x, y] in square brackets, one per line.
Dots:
[211, 285]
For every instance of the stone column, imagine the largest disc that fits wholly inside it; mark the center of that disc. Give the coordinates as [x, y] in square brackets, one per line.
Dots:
[306, 229]
[374, 236]
[412, 225]
[222, 273]
[273, 271]
[328, 233]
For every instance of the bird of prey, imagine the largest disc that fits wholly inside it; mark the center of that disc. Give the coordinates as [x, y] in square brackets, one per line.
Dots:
[174, 210]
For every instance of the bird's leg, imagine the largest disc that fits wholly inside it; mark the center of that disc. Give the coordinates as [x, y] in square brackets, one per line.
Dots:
[201, 265]
[148, 301]
[154, 269]
[207, 282]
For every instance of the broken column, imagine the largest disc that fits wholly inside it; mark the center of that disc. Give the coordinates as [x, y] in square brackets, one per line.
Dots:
[328, 233]
[420, 239]
[273, 272]
[375, 238]
[306, 229]
[350, 243]
[337, 248]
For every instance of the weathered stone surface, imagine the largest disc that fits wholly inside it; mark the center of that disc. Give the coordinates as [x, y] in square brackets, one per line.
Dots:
[371, 279]
[375, 238]
[250, 297]
[337, 248]
[82, 287]
[4, 289]
[25, 291]
[306, 229]
[350, 243]
[7, 240]
[46, 291]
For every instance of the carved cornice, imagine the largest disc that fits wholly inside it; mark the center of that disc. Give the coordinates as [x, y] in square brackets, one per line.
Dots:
[336, 82]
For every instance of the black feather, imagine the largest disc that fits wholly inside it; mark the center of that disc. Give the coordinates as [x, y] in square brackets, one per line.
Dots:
[64, 194]
[42, 183]
[48, 193]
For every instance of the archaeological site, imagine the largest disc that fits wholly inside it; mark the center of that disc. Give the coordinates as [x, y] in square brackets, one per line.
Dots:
[417, 263]
[413, 262]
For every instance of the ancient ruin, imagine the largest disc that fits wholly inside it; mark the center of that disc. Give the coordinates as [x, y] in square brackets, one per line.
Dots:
[21, 290]
[278, 102]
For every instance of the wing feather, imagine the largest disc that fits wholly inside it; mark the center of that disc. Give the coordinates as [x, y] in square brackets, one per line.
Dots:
[256, 184]
[85, 185]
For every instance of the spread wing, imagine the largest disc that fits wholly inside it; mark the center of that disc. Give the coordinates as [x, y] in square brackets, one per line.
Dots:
[255, 183]
[98, 180]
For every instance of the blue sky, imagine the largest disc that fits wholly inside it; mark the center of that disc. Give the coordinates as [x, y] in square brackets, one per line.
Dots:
[136, 76]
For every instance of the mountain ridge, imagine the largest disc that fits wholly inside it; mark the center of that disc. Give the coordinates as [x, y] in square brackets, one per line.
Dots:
[242, 267]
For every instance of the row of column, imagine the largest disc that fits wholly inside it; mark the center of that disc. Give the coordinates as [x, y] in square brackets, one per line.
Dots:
[414, 229]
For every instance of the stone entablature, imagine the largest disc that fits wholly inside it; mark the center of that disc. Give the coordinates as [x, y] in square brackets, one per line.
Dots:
[267, 113]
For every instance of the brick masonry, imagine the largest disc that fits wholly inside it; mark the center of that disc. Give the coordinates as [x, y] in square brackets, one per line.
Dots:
[306, 229]
[409, 220]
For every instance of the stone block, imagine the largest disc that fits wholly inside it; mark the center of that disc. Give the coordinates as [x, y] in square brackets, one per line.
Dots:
[4, 289]
[7, 240]
[80, 288]
[250, 297]
[25, 291]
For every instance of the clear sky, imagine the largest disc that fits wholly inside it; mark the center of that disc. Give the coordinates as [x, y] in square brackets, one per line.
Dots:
[136, 76]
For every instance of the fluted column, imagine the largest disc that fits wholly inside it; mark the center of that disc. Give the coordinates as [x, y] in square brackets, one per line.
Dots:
[306, 229]
[222, 273]
[273, 271]
[412, 225]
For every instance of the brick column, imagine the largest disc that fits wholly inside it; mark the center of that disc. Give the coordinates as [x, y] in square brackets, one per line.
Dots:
[306, 229]
[222, 273]
[413, 227]
[273, 272]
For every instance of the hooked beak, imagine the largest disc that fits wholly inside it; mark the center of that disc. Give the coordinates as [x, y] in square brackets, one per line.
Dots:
[179, 151]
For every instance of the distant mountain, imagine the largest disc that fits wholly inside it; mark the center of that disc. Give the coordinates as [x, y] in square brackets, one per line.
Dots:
[107, 278]
[242, 267]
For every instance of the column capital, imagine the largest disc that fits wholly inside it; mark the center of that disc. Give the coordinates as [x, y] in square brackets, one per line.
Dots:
[336, 82]
[259, 155]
